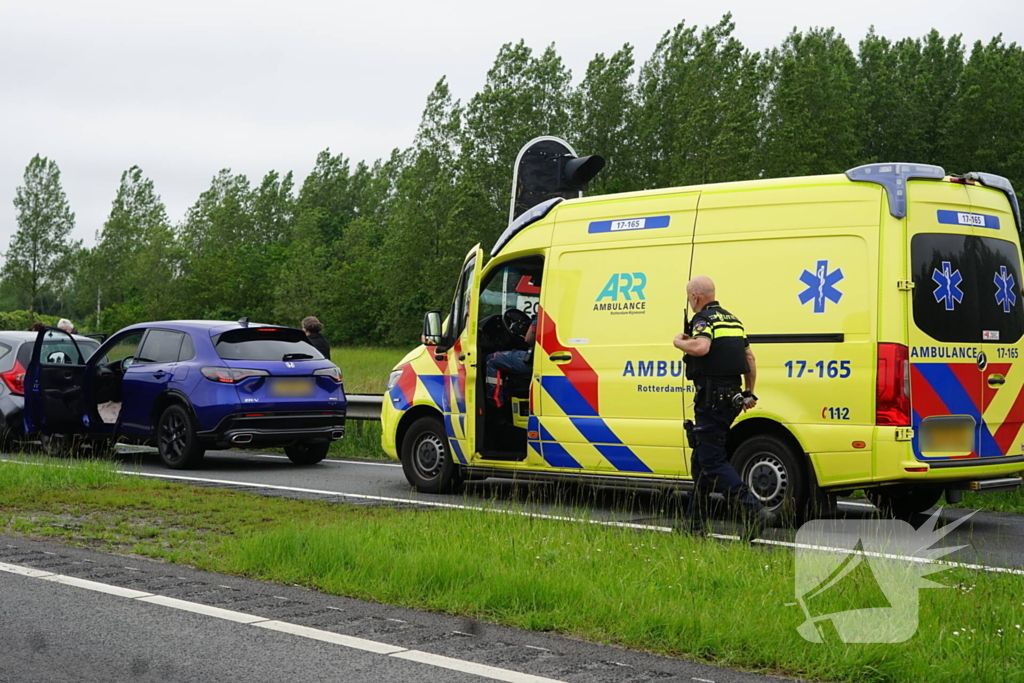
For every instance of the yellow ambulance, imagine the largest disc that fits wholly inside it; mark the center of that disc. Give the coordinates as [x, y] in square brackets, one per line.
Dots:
[884, 307]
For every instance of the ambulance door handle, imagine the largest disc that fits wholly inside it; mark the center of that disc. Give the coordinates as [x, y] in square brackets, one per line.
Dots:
[463, 356]
[560, 357]
[996, 380]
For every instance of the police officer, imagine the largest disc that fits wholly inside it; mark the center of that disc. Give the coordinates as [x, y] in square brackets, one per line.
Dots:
[717, 355]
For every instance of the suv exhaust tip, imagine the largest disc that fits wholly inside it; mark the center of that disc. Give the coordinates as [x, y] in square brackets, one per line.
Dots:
[337, 434]
[241, 438]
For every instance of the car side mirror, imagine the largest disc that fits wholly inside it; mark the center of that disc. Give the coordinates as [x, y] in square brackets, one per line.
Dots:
[432, 335]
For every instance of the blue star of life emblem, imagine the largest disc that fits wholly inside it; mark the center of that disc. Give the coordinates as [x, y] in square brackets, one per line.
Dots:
[1005, 296]
[821, 286]
[948, 289]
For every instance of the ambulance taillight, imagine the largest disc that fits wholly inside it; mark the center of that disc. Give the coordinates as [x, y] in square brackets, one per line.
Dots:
[892, 388]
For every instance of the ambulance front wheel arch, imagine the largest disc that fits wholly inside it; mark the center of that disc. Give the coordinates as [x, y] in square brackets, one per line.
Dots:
[771, 463]
[427, 458]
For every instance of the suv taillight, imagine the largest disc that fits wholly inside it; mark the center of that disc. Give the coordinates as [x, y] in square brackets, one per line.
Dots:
[892, 388]
[15, 379]
[231, 375]
[333, 373]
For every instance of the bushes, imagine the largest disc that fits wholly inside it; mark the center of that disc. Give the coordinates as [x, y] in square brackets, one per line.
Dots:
[22, 320]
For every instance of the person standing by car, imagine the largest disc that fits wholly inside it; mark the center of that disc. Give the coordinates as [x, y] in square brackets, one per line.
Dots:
[312, 327]
[67, 326]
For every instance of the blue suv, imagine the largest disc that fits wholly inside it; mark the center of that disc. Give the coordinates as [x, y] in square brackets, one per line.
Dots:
[188, 386]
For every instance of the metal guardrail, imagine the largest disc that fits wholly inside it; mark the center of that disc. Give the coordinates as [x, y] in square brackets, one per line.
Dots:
[364, 406]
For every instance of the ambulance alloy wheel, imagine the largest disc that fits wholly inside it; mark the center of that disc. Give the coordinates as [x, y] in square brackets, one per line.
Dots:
[427, 458]
[771, 469]
[903, 502]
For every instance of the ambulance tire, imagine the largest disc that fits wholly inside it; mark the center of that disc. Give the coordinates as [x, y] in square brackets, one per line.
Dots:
[904, 502]
[427, 458]
[775, 474]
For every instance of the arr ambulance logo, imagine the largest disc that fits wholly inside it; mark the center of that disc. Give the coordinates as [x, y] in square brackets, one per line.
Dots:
[821, 286]
[623, 295]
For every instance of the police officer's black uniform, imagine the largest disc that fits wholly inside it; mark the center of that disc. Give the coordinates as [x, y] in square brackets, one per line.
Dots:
[717, 377]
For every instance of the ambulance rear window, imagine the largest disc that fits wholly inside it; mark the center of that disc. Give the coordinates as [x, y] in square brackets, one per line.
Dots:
[967, 289]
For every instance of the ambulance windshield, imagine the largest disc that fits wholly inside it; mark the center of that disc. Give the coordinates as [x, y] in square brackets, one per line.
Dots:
[515, 286]
[967, 289]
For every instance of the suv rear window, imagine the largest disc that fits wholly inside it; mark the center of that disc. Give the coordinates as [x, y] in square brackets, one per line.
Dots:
[967, 288]
[267, 344]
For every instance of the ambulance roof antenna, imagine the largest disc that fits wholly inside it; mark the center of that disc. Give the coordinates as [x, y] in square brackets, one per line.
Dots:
[547, 167]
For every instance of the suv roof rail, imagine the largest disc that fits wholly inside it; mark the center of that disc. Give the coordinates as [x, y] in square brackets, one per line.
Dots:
[893, 177]
[998, 182]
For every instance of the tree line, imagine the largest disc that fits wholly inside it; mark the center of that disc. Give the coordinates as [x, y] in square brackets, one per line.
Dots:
[368, 247]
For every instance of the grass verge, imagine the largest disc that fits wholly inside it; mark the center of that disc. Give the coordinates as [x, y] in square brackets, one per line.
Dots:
[671, 594]
[366, 368]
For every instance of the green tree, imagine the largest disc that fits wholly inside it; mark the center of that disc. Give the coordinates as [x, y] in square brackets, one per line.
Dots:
[524, 96]
[985, 129]
[39, 257]
[812, 106]
[699, 111]
[602, 112]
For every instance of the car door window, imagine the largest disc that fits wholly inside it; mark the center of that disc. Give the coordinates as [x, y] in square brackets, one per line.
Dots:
[124, 347]
[60, 349]
[160, 346]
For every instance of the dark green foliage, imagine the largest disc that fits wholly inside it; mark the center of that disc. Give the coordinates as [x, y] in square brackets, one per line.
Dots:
[368, 247]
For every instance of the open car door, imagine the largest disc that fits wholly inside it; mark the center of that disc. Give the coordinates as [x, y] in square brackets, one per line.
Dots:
[54, 385]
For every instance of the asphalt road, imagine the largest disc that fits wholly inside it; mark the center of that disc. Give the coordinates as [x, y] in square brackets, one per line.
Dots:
[990, 539]
[138, 620]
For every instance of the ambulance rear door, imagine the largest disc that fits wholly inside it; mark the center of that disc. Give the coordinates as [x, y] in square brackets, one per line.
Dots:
[965, 323]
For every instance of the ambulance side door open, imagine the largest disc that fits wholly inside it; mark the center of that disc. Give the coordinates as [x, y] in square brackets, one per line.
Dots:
[612, 391]
[460, 365]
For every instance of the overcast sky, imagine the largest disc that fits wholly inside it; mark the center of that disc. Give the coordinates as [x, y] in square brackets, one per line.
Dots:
[188, 87]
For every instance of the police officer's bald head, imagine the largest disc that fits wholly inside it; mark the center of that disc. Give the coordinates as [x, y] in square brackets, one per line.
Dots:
[700, 291]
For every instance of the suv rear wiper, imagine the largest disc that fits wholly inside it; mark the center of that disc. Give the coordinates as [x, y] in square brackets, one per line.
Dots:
[297, 356]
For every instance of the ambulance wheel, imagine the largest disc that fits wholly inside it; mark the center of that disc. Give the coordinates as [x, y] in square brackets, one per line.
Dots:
[771, 469]
[427, 459]
[903, 502]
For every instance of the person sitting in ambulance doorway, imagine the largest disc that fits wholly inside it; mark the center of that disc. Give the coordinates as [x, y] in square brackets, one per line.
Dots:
[507, 368]
[717, 355]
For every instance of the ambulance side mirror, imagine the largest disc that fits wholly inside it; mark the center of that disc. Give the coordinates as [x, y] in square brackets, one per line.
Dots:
[432, 335]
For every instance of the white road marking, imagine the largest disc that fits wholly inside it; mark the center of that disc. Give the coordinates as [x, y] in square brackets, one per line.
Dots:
[483, 670]
[539, 515]
[330, 462]
[462, 665]
[96, 586]
[24, 571]
[218, 612]
[331, 637]
[392, 499]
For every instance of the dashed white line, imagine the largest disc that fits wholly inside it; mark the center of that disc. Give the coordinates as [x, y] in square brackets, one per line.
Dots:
[353, 642]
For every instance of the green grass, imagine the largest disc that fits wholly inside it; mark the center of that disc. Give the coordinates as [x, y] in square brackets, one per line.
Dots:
[361, 442]
[1001, 501]
[366, 368]
[723, 603]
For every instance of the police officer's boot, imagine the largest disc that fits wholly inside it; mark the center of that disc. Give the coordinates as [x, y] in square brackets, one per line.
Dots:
[757, 523]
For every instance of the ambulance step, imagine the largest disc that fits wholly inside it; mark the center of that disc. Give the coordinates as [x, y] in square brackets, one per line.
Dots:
[1007, 484]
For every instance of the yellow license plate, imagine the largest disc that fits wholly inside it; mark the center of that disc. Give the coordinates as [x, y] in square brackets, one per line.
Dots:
[292, 388]
[938, 438]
